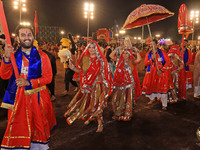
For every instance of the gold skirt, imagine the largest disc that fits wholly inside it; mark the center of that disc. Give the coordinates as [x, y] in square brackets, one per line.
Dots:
[123, 103]
[87, 105]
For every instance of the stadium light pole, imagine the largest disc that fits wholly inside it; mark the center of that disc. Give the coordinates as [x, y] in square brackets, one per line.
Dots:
[21, 4]
[88, 14]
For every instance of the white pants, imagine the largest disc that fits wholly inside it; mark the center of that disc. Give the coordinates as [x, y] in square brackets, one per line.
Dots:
[196, 91]
[163, 98]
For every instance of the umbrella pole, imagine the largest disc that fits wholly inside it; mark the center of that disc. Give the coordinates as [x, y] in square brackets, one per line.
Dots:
[142, 37]
[182, 42]
[154, 51]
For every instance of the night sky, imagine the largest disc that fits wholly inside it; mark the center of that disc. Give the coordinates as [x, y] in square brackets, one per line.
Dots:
[68, 14]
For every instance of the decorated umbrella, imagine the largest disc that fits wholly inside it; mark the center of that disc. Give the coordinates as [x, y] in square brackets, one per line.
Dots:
[146, 14]
[7, 36]
[184, 24]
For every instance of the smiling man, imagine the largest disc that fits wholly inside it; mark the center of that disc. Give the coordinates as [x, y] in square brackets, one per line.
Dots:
[30, 115]
[157, 81]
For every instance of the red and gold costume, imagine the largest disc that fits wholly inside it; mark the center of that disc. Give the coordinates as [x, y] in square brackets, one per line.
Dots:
[176, 63]
[126, 88]
[91, 99]
[30, 115]
[153, 84]
[186, 79]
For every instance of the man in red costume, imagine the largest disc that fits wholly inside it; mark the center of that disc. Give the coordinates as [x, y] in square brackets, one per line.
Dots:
[157, 81]
[30, 114]
[186, 79]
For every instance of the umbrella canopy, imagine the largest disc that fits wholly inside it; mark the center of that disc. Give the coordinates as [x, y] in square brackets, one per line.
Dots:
[184, 24]
[154, 13]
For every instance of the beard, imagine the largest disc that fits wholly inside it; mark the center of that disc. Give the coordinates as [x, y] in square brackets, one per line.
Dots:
[24, 45]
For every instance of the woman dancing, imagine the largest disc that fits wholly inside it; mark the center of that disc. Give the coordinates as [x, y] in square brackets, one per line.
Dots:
[91, 99]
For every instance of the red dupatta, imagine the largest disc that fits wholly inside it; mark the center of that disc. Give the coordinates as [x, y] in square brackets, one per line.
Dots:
[122, 76]
[175, 49]
[89, 76]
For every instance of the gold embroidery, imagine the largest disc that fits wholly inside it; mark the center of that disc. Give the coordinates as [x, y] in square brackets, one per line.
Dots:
[31, 83]
[25, 57]
[38, 83]
[45, 142]
[29, 127]
[29, 92]
[15, 146]
[86, 63]
[7, 106]
[17, 137]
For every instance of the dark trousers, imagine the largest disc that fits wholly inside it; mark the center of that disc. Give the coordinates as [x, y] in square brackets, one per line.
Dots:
[68, 78]
[3, 87]
[51, 86]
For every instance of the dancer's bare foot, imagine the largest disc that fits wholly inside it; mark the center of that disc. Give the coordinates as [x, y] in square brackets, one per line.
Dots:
[176, 100]
[198, 144]
[76, 89]
[164, 108]
[87, 122]
[196, 97]
[150, 102]
[64, 93]
[113, 117]
[100, 128]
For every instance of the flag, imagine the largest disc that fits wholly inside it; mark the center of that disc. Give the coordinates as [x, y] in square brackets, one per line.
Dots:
[36, 23]
[116, 27]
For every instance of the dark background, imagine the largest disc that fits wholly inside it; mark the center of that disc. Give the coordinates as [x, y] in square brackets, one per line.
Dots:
[69, 15]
